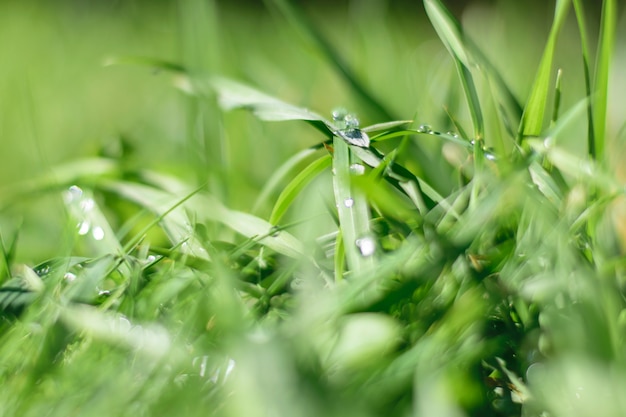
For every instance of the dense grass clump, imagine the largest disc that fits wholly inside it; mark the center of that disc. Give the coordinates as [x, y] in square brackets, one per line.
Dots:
[466, 262]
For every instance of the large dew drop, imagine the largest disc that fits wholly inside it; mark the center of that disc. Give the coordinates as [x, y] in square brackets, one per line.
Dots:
[366, 245]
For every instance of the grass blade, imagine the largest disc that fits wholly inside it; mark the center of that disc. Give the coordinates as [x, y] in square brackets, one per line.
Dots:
[353, 211]
[293, 189]
[307, 30]
[451, 35]
[584, 41]
[532, 119]
[603, 64]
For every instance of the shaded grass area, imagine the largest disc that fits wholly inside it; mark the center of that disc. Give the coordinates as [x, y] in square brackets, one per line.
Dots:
[456, 250]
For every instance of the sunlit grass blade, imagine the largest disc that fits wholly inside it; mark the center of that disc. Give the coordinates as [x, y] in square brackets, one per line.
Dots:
[359, 245]
[534, 112]
[603, 64]
[451, 35]
[292, 190]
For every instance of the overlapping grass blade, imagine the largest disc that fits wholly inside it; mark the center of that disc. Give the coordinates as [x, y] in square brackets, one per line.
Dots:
[532, 119]
[353, 212]
[603, 63]
[451, 35]
[584, 41]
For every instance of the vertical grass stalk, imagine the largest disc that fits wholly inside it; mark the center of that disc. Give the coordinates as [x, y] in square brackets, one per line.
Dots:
[353, 212]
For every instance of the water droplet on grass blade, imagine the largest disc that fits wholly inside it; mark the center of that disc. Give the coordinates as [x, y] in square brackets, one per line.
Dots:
[69, 277]
[339, 114]
[366, 245]
[83, 228]
[355, 137]
[348, 202]
[357, 169]
[425, 129]
[98, 233]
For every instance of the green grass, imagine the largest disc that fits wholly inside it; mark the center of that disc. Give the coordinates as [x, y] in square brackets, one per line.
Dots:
[213, 249]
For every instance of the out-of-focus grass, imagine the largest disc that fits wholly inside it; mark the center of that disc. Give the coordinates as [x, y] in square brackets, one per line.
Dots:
[429, 274]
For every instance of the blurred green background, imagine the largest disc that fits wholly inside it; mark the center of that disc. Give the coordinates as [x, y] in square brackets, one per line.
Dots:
[60, 103]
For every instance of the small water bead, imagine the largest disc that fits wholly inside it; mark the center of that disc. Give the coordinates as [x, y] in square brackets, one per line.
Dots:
[366, 245]
[87, 204]
[453, 134]
[425, 129]
[98, 233]
[357, 169]
[339, 114]
[348, 202]
[74, 193]
[69, 277]
[351, 121]
[83, 228]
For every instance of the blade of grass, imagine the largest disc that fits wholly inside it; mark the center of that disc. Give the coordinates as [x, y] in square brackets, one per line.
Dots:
[451, 35]
[301, 24]
[292, 190]
[532, 119]
[557, 98]
[353, 211]
[603, 63]
[280, 175]
[584, 42]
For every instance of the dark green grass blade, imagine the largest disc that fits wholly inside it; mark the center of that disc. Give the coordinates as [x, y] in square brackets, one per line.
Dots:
[584, 41]
[557, 98]
[532, 119]
[451, 35]
[603, 64]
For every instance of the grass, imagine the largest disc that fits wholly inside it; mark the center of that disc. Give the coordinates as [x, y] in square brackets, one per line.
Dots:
[467, 262]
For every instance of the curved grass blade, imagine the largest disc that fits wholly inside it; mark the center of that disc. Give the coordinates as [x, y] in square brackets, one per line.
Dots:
[206, 207]
[532, 119]
[292, 190]
[283, 172]
[451, 35]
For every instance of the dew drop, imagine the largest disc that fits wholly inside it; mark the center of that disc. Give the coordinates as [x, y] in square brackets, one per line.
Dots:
[548, 142]
[348, 202]
[74, 193]
[83, 228]
[425, 129]
[104, 293]
[351, 121]
[366, 245]
[339, 114]
[453, 134]
[69, 277]
[87, 204]
[98, 233]
[357, 169]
